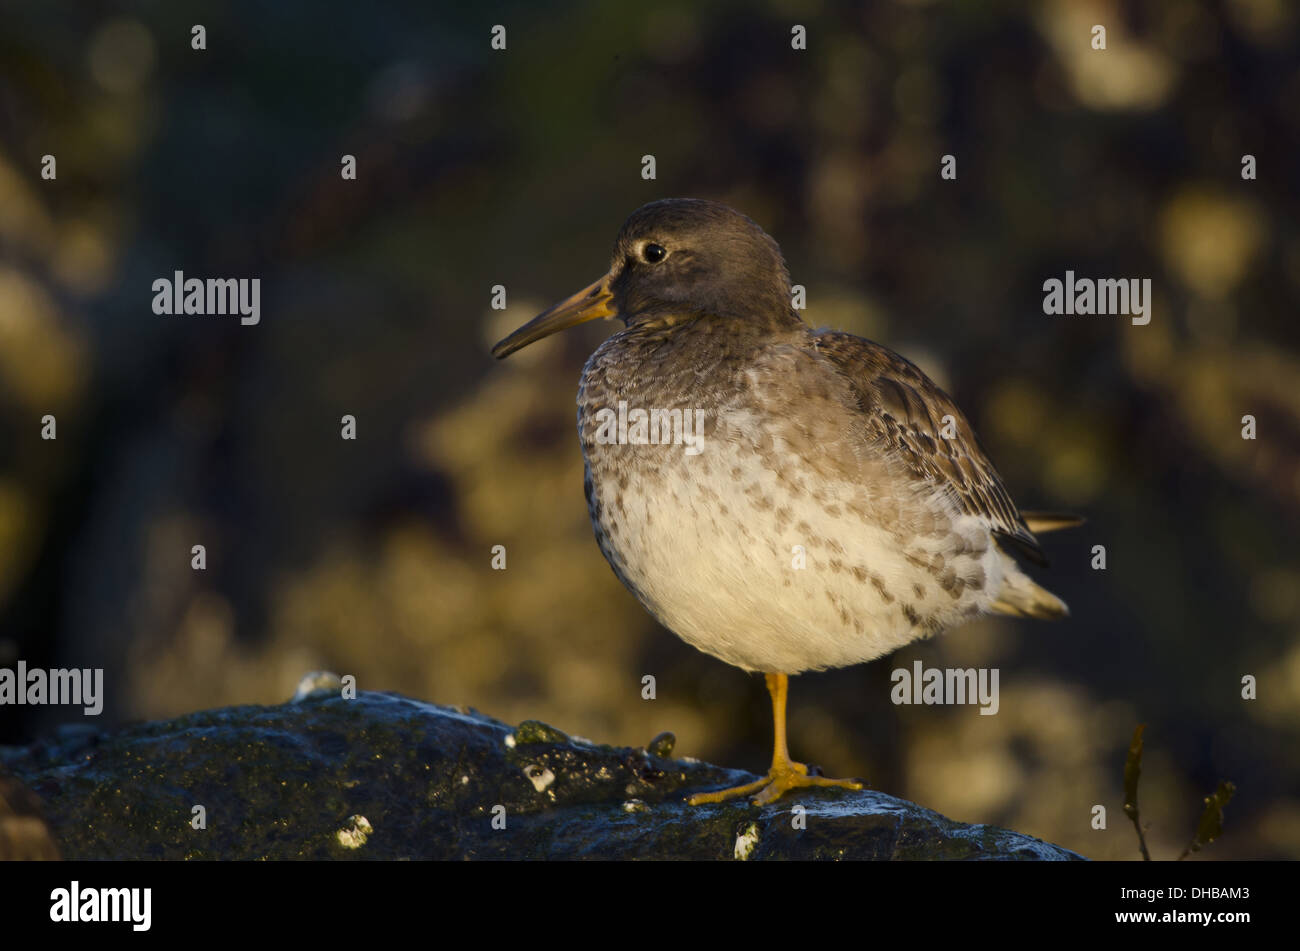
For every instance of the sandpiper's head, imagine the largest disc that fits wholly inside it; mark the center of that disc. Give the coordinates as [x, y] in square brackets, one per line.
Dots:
[675, 260]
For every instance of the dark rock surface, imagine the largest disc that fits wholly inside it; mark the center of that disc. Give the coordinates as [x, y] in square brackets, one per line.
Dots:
[387, 777]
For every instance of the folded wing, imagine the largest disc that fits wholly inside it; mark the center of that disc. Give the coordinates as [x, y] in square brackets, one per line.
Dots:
[918, 425]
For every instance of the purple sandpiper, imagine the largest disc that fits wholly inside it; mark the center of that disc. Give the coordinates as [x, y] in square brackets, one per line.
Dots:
[782, 498]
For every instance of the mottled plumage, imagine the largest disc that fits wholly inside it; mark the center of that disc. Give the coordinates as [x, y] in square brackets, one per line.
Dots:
[907, 411]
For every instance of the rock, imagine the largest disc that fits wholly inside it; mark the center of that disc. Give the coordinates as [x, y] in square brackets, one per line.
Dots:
[386, 777]
[662, 745]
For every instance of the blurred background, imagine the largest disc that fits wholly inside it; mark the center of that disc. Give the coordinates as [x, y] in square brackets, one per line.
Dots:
[479, 167]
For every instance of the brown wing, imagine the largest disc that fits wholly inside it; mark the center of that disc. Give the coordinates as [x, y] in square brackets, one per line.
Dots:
[906, 412]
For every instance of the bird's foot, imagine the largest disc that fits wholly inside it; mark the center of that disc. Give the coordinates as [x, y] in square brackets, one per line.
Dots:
[780, 779]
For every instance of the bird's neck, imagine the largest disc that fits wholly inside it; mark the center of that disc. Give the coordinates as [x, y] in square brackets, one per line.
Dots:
[753, 325]
[708, 350]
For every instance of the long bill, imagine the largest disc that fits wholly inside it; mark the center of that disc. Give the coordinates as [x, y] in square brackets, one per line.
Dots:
[594, 300]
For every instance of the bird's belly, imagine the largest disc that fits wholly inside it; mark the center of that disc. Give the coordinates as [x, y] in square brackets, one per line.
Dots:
[768, 566]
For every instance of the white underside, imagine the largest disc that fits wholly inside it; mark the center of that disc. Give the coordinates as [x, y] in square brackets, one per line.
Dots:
[740, 597]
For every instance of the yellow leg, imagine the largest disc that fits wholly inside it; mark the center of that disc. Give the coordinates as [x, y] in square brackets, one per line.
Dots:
[785, 774]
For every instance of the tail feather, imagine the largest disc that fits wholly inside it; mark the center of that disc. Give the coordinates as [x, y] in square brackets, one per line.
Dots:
[1041, 522]
[1022, 597]
[1019, 595]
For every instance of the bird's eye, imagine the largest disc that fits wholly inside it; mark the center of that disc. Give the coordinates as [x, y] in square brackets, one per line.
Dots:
[654, 253]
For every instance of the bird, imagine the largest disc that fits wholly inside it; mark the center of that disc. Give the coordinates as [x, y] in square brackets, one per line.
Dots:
[822, 502]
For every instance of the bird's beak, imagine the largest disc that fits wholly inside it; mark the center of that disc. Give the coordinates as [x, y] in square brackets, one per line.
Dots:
[595, 300]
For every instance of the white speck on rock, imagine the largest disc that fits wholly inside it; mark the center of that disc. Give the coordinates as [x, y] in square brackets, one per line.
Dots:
[510, 740]
[746, 841]
[464, 780]
[317, 682]
[355, 833]
[635, 805]
[540, 776]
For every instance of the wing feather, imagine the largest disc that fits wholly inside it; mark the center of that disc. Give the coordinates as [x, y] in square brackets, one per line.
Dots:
[906, 410]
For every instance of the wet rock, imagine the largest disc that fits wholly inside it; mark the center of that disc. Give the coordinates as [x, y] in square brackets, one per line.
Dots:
[662, 744]
[535, 731]
[386, 777]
